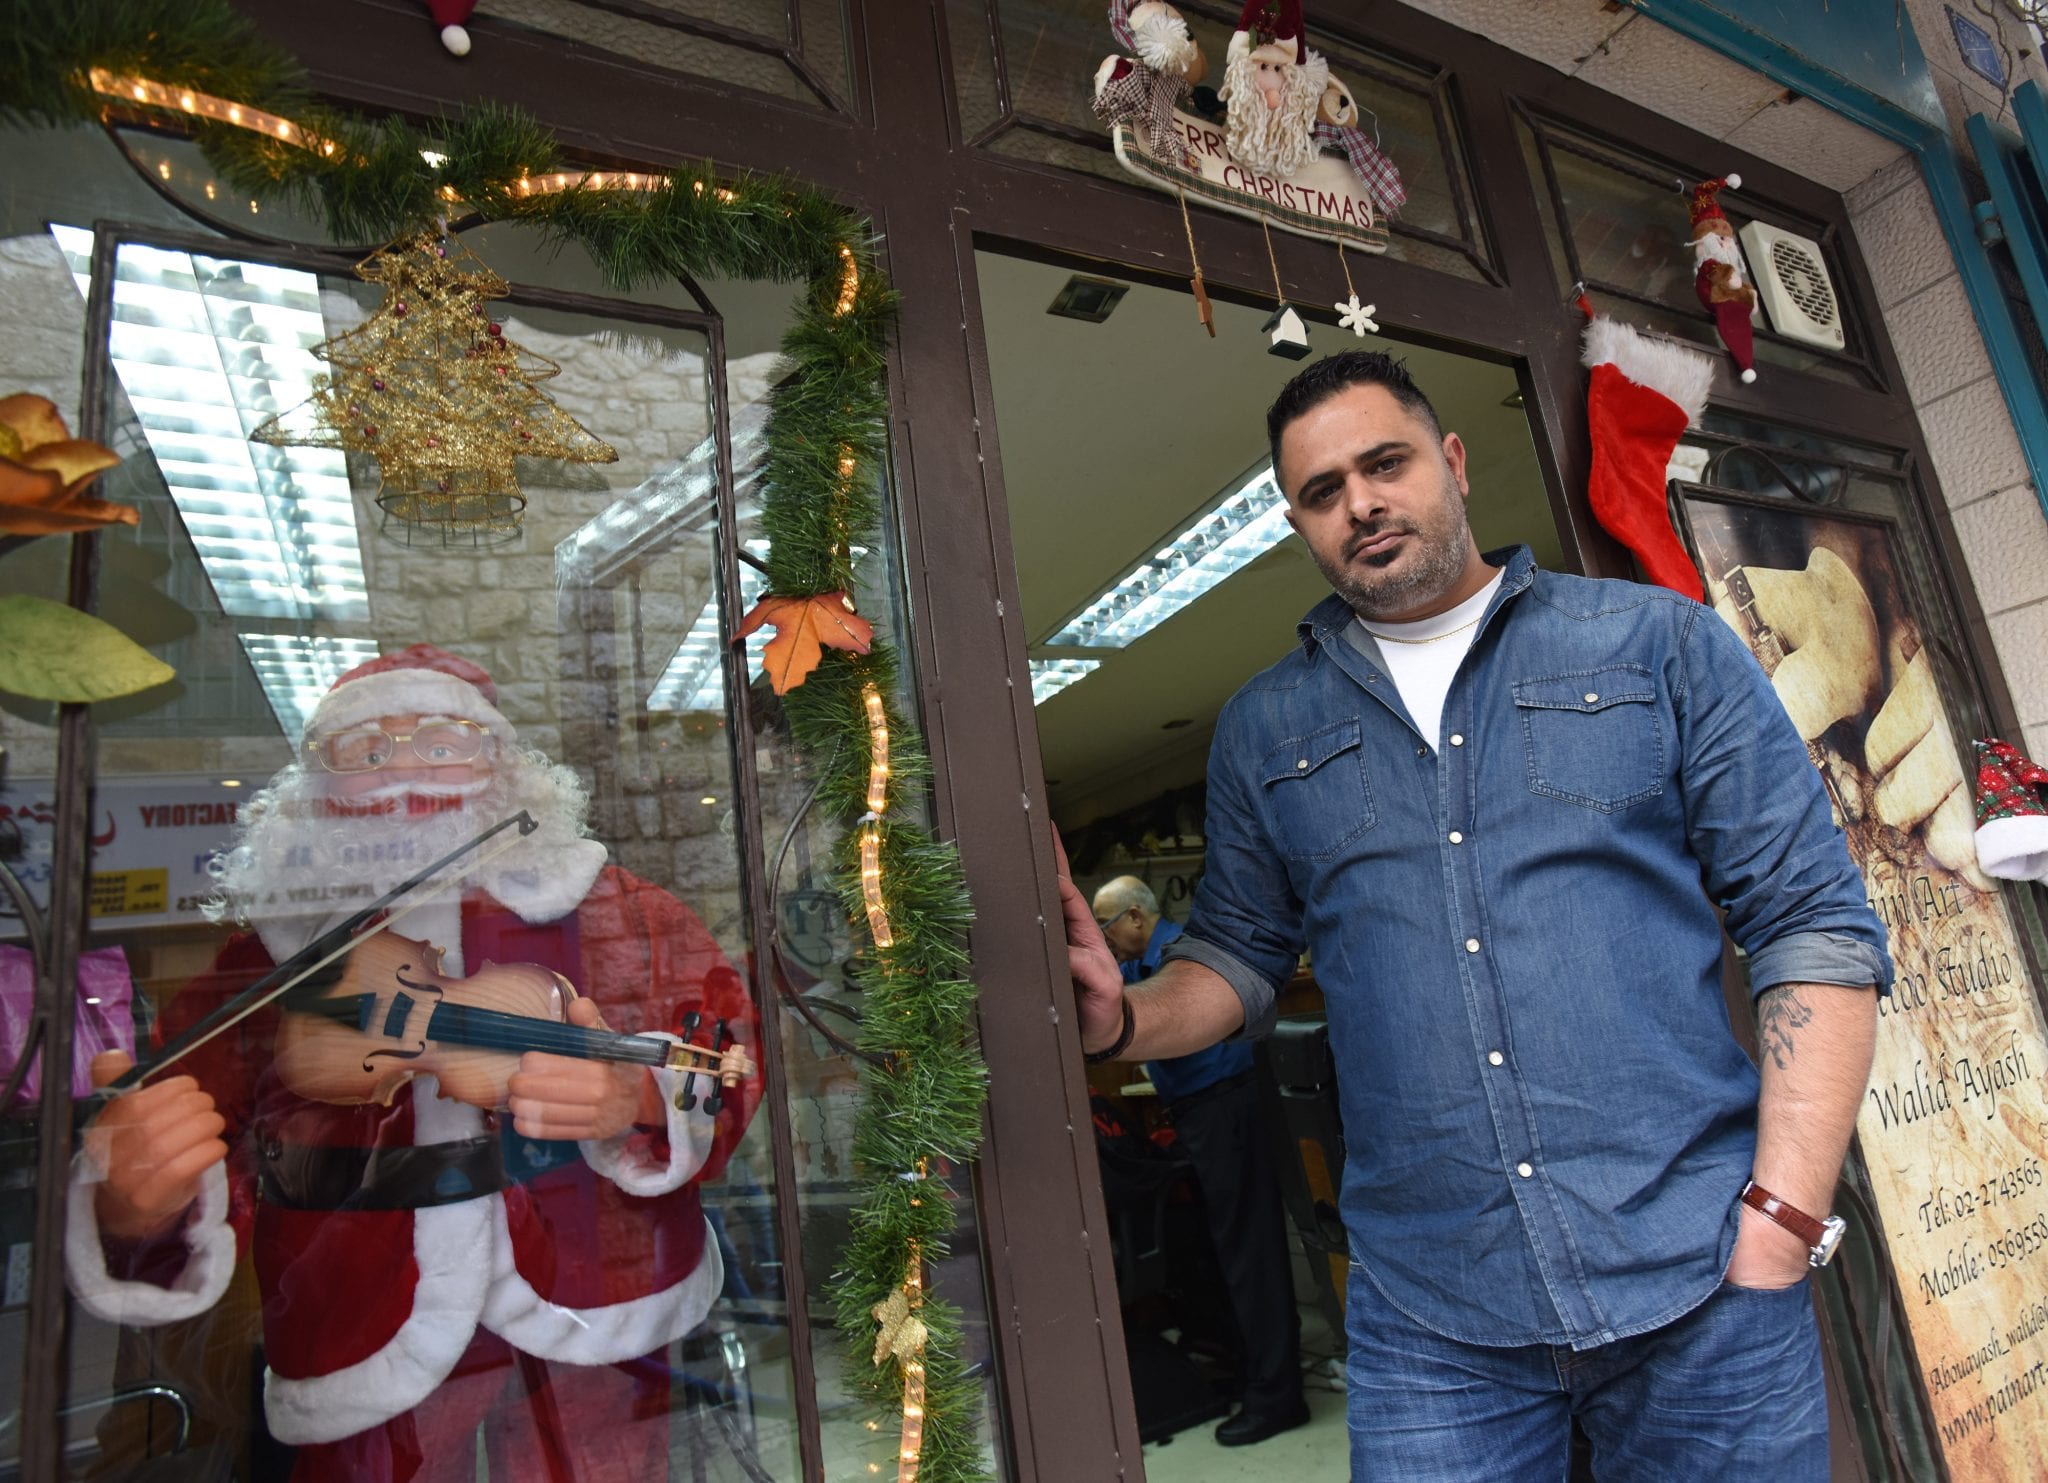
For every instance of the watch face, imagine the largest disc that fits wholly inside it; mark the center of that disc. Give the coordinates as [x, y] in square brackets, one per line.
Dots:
[1831, 1232]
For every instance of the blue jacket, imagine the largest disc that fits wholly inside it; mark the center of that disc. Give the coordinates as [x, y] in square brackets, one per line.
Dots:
[1547, 1120]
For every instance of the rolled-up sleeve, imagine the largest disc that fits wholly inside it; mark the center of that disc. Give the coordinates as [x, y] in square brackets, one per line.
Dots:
[1760, 825]
[1816, 958]
[1245, 923]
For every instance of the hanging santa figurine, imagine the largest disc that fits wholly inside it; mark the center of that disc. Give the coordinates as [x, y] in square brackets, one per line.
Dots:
[1145, 88]
[1720, 282]
[1273, 85]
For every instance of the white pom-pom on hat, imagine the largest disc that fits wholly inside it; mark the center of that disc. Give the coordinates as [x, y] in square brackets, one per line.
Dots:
[1734, 181]
[456, 40]
[1748, 376]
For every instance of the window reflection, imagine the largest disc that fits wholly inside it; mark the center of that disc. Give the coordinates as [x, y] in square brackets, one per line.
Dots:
[425, 1253]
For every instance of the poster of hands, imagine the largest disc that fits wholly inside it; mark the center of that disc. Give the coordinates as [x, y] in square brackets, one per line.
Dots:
[1954, 1125]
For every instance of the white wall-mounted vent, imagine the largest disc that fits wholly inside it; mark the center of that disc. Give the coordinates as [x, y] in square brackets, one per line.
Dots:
[1793, 285]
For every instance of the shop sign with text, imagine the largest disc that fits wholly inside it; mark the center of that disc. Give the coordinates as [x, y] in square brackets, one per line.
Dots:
[1953, 1129]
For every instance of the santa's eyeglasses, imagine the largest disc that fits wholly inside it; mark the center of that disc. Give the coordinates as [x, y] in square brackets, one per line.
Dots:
[368, 748]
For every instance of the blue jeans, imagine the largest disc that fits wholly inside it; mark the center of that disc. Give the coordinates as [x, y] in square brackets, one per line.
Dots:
[1731, 1390]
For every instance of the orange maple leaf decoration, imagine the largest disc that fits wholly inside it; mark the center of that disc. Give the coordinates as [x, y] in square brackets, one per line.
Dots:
[44, 472]
[804, 627]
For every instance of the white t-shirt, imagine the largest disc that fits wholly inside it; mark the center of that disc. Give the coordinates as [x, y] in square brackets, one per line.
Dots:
[1421, 657]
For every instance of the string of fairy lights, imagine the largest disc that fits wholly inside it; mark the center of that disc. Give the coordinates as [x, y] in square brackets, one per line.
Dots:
[908, 1352]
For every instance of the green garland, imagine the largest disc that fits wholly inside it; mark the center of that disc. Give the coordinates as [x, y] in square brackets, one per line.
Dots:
[921, 1106]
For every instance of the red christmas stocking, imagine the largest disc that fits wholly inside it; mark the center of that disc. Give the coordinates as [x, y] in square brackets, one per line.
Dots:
[1644, 395]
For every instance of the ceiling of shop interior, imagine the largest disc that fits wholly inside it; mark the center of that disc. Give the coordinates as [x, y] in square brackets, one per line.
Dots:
[1112, 435]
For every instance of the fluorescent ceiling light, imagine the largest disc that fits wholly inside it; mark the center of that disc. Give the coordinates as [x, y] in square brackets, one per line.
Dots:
[206, 348]
[679, 500]
[1050, 676]
[693, 679]
[1249, 520]
[296, 670]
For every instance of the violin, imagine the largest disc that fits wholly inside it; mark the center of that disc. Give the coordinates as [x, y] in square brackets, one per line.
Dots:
[391, 1014]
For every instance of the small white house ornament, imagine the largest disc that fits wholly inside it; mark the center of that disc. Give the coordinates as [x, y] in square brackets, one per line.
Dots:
[1286, 335]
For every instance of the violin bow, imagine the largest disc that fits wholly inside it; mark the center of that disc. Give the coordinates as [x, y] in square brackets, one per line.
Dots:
[336, 942]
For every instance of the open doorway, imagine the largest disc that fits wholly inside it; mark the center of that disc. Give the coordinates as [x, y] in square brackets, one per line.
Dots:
[1156, 578]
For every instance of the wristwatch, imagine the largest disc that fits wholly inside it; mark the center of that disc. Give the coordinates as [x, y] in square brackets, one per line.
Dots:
[1821, 1236]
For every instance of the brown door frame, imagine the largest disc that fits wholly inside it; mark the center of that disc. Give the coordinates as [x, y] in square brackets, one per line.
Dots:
[897, 155]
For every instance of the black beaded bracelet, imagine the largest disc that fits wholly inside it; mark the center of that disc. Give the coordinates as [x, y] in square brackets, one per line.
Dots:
[1111, 1052]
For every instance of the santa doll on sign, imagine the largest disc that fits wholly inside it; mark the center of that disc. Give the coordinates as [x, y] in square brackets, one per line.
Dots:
[430, 1268]
[1273, 85]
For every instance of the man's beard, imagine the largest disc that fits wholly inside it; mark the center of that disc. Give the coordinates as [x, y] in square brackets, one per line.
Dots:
[1279, 141]
[1425, 567]
[304, 853]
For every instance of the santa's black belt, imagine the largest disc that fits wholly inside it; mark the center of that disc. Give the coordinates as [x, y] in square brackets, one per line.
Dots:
[302, 1176]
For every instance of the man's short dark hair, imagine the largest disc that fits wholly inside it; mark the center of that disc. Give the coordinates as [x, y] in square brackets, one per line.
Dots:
[1335, 373]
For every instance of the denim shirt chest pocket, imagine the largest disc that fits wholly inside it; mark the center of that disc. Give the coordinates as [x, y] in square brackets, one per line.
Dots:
[1316, 794]
[1595, 737]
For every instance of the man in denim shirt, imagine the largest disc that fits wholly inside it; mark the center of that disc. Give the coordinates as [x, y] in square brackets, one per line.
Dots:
[1507, 864]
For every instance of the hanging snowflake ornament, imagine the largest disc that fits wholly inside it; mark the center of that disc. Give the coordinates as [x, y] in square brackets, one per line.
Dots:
[1356, 317]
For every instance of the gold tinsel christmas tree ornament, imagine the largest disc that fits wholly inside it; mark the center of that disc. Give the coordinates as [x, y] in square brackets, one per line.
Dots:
[432, 388]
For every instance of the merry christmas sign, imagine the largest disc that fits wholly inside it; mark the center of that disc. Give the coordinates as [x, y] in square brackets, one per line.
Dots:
[1323, 199]
[1278, 141]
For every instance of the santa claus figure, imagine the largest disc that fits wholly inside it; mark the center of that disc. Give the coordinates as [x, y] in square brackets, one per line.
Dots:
[432, 1272]
[1718, 277]
[1273, 85]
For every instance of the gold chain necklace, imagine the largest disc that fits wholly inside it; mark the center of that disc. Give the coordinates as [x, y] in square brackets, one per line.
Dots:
[1388, 638]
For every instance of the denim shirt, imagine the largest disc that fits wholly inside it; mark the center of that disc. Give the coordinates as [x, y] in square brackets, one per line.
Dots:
[1547, 1119]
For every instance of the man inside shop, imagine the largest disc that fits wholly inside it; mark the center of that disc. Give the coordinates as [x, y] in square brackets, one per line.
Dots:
[447, 1286]
[1501, 807]
[1212, 1105]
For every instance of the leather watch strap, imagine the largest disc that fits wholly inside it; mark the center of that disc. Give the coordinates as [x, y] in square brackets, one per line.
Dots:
[1791, 1217]
[1122, 1042]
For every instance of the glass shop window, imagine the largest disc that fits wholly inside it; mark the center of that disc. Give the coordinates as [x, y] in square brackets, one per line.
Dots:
[505, 1190]
[797, 50]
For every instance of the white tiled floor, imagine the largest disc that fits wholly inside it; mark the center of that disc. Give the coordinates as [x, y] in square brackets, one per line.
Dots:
[1315, 1453]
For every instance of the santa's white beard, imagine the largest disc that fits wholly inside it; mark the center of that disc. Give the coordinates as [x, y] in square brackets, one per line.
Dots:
[1715, 248]
[304, 858]
[1279, 141]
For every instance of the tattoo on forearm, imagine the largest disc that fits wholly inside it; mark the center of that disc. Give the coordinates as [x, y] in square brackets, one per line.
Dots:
[1780, 1015]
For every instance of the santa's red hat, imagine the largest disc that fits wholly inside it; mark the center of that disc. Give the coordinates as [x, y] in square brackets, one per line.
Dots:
[1271, 24]
[1706, 203]
[419, 681]
[2012, 813]
[449, 16]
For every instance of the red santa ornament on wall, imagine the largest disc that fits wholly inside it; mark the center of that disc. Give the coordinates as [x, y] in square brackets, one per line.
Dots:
[1723, 288]
[1273, 85]
[431, 1271]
